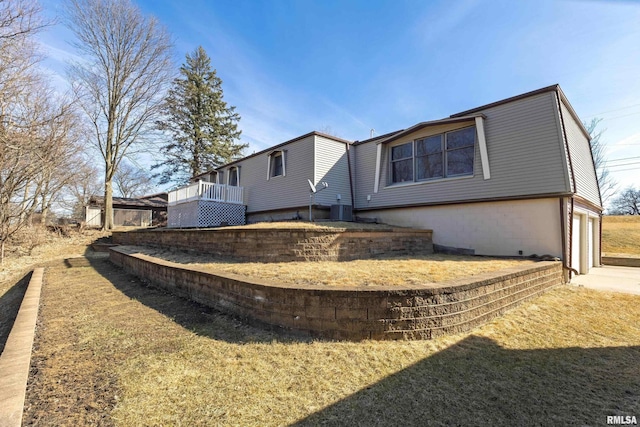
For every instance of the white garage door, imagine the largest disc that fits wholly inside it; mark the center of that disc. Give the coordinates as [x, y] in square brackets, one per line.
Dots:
[590, 243]
[575, 244]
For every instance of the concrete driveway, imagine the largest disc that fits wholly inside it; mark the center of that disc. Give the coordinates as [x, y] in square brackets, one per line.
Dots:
[611, 278]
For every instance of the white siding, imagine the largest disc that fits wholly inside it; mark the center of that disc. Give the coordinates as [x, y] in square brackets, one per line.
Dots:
[525, 155]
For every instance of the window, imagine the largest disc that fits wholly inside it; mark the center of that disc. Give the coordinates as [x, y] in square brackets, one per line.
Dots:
[277, 164]
[429, 158]
[234, 176]
[460, 150]
[402, 163]
[439, 156]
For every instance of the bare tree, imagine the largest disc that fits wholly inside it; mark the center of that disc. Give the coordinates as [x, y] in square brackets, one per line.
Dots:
[21, 152]
[131, 181]
[627, 203]
[78, 192]
[605, 180]
[61, 138]
[121, 84]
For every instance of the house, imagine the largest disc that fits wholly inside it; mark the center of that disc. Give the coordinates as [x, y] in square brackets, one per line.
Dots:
[143, 211]
[514, 177]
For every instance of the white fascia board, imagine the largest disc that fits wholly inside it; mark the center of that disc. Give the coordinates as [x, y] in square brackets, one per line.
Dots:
[376, 183]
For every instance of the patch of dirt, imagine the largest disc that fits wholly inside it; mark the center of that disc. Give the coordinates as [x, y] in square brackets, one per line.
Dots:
[69, 384]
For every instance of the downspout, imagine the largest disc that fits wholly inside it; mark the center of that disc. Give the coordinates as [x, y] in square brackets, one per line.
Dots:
[563, 226]
[573, 270]
[351, 178]
[573, 181]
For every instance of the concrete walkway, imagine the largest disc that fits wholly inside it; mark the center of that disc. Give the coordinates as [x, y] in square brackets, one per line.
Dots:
[610, 278]
[16, 357]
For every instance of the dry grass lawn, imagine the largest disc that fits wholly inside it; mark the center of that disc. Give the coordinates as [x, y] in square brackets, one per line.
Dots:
[110, 351]
[397, 271]
[17, 264]
[621, 235]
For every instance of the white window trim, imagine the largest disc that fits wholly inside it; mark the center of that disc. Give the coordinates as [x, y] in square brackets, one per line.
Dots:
[427, 181]
[376, 184]
[282, 153]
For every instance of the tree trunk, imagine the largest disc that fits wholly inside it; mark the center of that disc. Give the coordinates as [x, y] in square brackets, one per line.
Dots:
[25, 202]
[43, 215]
[108, 206]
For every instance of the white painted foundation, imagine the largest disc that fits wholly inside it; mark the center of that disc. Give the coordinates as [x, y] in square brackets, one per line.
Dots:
[491, 228]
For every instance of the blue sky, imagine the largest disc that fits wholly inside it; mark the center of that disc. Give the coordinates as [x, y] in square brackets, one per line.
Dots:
[351, 66]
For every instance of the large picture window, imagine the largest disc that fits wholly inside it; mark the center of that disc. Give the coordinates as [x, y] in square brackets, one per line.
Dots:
[439, 156]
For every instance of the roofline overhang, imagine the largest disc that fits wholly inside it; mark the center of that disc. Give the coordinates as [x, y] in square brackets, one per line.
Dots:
[275, 148]
[422, 125]
[553, 88]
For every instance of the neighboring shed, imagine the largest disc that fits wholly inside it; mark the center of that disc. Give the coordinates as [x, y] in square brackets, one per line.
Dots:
[144, 211]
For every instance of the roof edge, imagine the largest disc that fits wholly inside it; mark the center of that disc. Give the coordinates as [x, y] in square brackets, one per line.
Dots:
[423, 125]
[564, 99]
[552, 88]
[275, 147]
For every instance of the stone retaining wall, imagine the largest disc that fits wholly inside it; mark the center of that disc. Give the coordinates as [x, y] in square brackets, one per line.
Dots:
[621, 261]
[283, 245]
[417, 312]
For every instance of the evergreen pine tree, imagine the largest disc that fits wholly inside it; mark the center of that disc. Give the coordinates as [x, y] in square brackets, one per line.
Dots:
[202, 126]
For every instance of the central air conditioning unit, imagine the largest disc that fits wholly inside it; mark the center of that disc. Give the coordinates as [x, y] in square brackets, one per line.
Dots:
[341, 213]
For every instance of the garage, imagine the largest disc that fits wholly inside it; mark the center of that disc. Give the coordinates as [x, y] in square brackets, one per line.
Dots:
[585, 242]
[590, 233]
[576, 243]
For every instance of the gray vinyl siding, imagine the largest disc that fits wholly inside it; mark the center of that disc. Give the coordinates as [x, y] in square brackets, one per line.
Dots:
[280, 192]
[331, 166]
[580, 152]
[525, 158]
[364, 170]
